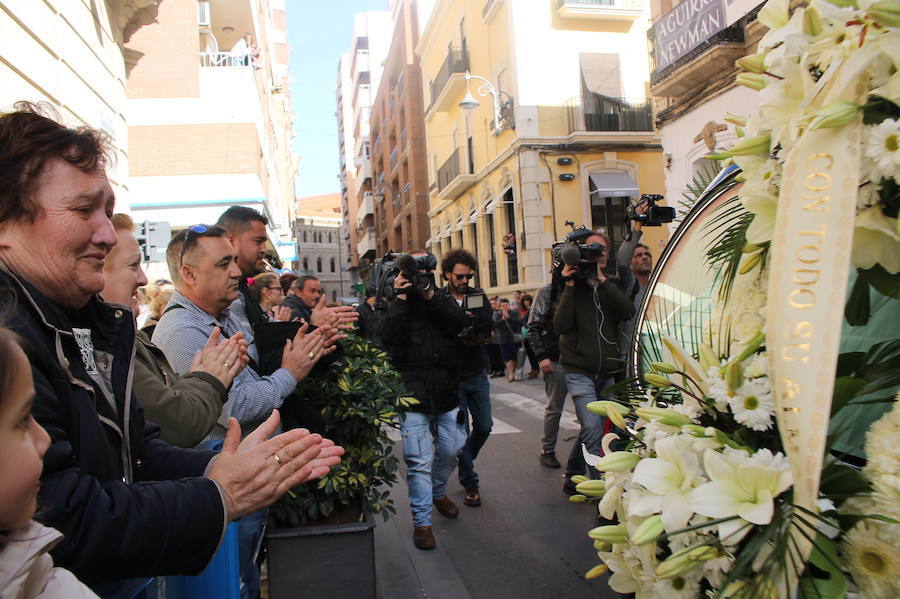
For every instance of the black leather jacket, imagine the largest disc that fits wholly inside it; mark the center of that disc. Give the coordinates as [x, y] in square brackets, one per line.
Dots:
[541, 334]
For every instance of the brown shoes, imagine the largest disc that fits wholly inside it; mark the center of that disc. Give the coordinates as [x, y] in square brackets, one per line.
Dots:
[423, 537]
[446, 507]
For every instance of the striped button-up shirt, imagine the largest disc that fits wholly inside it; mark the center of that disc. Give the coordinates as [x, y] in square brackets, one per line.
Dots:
[251, 399]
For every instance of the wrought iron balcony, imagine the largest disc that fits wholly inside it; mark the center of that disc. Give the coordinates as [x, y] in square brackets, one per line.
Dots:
[452, 71]
[604, 113]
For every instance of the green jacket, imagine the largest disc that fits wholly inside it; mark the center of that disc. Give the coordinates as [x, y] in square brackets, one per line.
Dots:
[587, 320]
[185, 408]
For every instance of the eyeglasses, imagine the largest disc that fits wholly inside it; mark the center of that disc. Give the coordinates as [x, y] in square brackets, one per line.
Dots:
[191, 234]
[468, 276]
[278, 287]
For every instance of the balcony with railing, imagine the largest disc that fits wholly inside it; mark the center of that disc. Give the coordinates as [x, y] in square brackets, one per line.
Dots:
[604, 113]
[450, 80]
[601, 10]
[367, 244]
[677, 68]
[451, 182]
[492, 272]
[366, 208]
[393, 158]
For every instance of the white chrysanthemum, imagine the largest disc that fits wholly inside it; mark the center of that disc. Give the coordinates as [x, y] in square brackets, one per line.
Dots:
[683, 586]
[752, 404]
[883, 453]
[757, 366]
[884, 147]
[873, 563]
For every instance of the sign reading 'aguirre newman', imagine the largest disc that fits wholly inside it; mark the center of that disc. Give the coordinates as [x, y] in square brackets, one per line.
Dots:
[685, 27]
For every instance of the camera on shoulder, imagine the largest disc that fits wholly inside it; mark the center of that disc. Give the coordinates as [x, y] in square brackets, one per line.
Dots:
[384, 272]
[573, 251]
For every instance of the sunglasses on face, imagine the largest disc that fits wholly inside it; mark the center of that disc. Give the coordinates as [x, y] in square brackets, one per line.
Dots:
[467, 276]
[192, 233]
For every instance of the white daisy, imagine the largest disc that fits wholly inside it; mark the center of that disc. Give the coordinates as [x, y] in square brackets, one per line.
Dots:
[884, 147]
[752, 404]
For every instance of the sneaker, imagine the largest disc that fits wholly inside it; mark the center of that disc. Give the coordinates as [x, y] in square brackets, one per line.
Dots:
[569, 487]
[473, 497]
[548, 460]
[446, 507]
[423, 537]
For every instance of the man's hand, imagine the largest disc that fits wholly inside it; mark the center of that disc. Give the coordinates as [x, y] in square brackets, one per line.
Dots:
[641, 208]
[342, 317]
[568, 271]
[302, 353]
[221, 359]
[250, 475]
[546, 366]
[400, 282]
[281, 313]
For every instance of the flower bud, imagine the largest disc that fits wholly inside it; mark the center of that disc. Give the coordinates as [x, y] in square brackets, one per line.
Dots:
[703, 553]
[578, 498]
[657, 380]
[596, 571]
[717, 156]
[676, 565]
[750, 248]
[774, 14]
[663, 367]
[617, 461]
[649, 530]
[844, 3]
[750, 146]
[708, 357]
[755, 63]
[602, 546]
[752, 345]
[612, 410]
[695, 429]
[812, 21]
[664, 415]
[615, 533]
[591, 488]
[836, 114]
[736, 119]
[734, 376]
[885, 12]
[578, 478]
[750, 263]
[751, 80]
[739, 131]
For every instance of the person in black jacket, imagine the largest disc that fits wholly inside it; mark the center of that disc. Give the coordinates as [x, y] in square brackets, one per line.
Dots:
[130, 506]
[457, 268]
[420, 330]
[587, 319]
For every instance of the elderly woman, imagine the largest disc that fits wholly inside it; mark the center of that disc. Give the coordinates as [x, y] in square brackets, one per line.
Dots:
[130, 505]
[185, 408]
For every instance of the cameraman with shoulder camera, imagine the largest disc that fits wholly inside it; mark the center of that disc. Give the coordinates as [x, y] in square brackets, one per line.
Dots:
[457, 268]
[420, 330]
[587, 318]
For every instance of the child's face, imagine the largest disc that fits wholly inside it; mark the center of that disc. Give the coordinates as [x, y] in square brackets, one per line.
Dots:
[22, 446]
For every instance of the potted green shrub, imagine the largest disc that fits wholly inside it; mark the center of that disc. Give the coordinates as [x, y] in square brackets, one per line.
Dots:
[321, 535]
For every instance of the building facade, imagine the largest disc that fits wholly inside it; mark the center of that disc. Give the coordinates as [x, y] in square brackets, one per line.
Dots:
[555, 126]
[73, 56]
[359, 73]
[693, 48]
[209, 126]
[317, 228]
[398, 206]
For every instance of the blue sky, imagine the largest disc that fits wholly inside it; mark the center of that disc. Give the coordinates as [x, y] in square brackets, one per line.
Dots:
[318, 33]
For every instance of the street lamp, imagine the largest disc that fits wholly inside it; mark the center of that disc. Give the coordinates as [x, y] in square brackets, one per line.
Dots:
[487, 89]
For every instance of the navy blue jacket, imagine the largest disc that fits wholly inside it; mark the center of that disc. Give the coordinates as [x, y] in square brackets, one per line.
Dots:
[128, 504]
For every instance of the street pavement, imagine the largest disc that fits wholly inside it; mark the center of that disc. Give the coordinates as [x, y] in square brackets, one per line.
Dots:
[525, 541]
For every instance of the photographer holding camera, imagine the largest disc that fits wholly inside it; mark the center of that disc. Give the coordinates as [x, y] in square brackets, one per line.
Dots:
[420, 330]
[458, 268]
[587, 317]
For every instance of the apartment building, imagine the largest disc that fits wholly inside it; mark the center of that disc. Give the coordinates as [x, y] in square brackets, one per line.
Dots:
[317, 228]
[72, 55]
[209, 123]
[398, 206]
[536, 113]
[692, 50]
[359, 74]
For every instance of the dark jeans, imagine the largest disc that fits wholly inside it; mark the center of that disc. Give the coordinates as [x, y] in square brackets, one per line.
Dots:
[474, 402]
[493, 352]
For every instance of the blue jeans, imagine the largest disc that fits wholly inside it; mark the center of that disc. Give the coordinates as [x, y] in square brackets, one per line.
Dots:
[474, 402]
[431, 443]
[585, 389]
[250, 530]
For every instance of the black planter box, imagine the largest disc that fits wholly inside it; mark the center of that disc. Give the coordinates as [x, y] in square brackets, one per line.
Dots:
[333, 561]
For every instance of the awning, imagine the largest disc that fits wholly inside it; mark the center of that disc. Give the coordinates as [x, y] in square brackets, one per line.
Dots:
[614, 185]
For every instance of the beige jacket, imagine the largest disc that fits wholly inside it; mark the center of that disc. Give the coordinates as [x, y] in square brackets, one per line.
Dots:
[26, 568]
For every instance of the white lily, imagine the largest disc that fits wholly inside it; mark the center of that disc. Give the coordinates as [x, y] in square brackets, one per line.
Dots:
[875, 240]
[685, 361]
[764, 207]
[669, 478]
[738, 487]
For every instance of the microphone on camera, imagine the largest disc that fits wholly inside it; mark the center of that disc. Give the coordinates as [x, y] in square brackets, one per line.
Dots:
[570, 255]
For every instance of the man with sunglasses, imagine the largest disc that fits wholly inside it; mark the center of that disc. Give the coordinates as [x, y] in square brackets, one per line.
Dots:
[419, 330]
[587, 320]
[458, 268]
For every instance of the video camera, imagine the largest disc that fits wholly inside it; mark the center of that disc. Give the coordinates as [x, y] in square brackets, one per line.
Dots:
[655, 215]
[479, 327]
[573, 251]
[383, 273]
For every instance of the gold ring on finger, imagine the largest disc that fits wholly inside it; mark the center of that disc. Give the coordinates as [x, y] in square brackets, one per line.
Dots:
[227, 364]
[276, 458]
[311, 355]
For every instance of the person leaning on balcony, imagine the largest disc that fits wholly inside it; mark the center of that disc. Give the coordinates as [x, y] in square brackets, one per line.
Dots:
[242, 51]
[185, 408]
[128, 504]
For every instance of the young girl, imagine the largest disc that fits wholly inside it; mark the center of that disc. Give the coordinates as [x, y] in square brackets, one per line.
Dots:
[26, 569]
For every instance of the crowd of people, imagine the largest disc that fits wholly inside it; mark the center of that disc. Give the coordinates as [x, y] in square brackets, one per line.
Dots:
[142, 419]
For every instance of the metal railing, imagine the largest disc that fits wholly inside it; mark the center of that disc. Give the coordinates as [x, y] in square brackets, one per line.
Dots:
[457, 61]
[448, 171]
[492, 272]
[603, 113]
[512, 268]
[224, 59]
[733, 33]
[393, 158]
